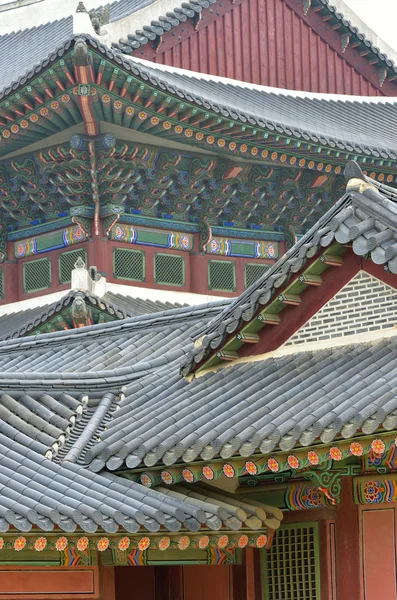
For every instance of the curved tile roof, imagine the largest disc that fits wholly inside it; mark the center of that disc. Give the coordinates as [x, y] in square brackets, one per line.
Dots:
[21, 323]
[368, 220]
[38, 492]
[351, 124]
[273, 403]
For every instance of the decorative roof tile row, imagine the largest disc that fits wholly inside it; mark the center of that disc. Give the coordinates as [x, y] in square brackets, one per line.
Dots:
[353, 29]
[160, 26]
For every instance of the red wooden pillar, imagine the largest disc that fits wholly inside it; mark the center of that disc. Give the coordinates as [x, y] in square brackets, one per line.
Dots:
[11, 281]
[245, 580]
[348, 580]
[107, 583]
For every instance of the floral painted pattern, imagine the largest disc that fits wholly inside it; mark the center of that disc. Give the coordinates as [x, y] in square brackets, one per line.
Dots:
[335, 453]
[1, 543]
[164, 543]
[261, 541]
[223, 541]
[208, 473]
[184, 542]
[19, 543]
[146, 480]
[144, 543]
[313, 457]
[167, 477]
[356, 449]
[313, 497]
[378, 446]
[203, 542]
[187, 475]
[293, 461]
[242, 541]
[124, 543]
[103, 544]
[228, 470]
[251, 467]
[372, 492]
[40, 544]
[273, 465]
[82, 543]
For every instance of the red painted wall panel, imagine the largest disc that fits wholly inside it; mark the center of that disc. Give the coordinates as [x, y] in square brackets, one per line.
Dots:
[205, 581]
[379, 559]
[41, 582]
[267, 43]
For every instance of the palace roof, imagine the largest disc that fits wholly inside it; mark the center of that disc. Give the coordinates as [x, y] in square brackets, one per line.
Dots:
[80, 409]
[351, 123]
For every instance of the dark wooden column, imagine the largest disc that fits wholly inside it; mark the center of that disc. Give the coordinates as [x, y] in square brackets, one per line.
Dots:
[169, 583]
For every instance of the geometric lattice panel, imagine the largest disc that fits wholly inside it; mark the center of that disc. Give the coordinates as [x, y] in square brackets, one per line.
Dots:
[253, 272]
[222, 275]
[37, 275]
[291, 565]
[66, 262]
[1, 284]
[363, 305]
[169, 269]
[129, 264]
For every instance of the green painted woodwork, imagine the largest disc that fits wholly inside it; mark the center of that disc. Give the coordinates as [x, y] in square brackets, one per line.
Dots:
[2, 285]
[253, 272]
[276, 306]
[36, 275]
[169, 269]
[222, 275]
[129, 264]
[291, 567]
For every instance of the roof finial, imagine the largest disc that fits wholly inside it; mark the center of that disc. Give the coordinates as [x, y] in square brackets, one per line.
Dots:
[355, 179]
[81, 8]
[79, 264]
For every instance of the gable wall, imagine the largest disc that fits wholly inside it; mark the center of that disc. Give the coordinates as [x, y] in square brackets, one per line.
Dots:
[265, 43]
[365, 304]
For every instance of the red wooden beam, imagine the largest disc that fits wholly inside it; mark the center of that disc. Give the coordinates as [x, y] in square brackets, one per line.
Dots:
[379, 272]
[313, 299]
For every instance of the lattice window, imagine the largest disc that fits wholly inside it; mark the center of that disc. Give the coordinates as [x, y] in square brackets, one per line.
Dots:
[253, 272]
[222, 276]
[37, 275]
[129, 264]
[291, 566]
[66, 262]
[169, 269]
[2, 290]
